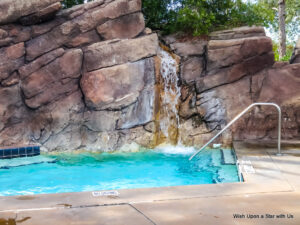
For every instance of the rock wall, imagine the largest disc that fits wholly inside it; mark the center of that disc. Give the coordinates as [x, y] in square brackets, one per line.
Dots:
[224, 75]
[89, 77]
[83, 80]
[296, 53]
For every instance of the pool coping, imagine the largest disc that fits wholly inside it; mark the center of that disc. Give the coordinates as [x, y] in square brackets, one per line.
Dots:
[266, 179]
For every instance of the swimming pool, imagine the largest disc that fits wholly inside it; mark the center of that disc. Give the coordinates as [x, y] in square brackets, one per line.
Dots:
[110, 171]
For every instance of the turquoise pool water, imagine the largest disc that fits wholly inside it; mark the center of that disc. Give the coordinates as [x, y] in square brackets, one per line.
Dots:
[109, 171]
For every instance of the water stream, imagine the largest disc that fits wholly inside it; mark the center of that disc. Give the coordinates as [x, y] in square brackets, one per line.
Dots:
[169, 120]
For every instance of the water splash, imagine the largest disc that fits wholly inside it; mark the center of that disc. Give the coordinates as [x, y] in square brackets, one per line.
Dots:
[169, 121]
[178, 149]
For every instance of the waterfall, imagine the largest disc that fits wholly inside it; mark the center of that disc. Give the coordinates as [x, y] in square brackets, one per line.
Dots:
[169, 118]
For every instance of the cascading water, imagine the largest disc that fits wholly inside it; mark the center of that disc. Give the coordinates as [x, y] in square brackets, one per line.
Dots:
[169, 118]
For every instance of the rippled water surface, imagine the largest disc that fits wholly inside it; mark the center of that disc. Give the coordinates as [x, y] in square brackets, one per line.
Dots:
[108, 171]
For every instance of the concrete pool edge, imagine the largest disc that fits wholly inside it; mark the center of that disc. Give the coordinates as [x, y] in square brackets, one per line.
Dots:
[267, 179]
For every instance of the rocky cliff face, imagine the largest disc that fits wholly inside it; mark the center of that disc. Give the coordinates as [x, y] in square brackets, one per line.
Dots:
[224, 75]
[90, 77]
[84, 79]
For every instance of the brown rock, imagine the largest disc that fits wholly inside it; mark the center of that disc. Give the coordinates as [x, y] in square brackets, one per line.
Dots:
[11, 80]
[226, 53]
[114, 87]
[189, 48]
[191, 69]
[273, 89]
[296, 53]
[109, 53]
[11, 11]
[112, 10]
[18, 33]
[42, 28]
[84, 39]
[239, 32]
[12, 109]
[49, 41]
[11, 58]
[188, 106]
[235, 72]
[15, 51]
[128, 26]
[77, 10]
[5, 42]
[40, 62]
[61, 35]
[101, 120]
[52, 92]
[3, 34]
[42, 15]
[53, 80]
[147, 31]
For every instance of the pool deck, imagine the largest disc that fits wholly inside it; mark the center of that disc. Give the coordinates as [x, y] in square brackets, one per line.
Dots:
[272, 186]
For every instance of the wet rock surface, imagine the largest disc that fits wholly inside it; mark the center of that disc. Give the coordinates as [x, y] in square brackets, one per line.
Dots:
[90, 77]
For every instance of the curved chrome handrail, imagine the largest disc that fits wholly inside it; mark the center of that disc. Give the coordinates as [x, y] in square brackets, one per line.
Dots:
[239, 116]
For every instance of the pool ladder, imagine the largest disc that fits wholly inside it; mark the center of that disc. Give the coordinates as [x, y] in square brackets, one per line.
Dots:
[239, 116]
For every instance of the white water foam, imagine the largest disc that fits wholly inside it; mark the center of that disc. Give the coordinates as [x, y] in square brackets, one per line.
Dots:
[171, 93]
[178, 149]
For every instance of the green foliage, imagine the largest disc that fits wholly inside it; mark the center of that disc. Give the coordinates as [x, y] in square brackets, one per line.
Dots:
[203, 16]
[292, 16]
[160, 14]
[288, 55]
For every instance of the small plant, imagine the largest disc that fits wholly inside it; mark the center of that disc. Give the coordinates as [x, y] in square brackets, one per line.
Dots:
[288, 55]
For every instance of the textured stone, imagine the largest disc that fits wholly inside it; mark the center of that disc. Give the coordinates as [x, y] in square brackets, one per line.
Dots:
[3, 34]
[53, 80]
[11, 11]
[296, 53]
[11, 80]
[5, 42]
[114, 87]
[226, 53]
[84, 39]
[42, 15]
[191, 69]
[11, 58]
[189, 48]
[58, 124]
[128, 26]
[17, 33]
[45, 27]
[40, 62]
[101, 120]
[273, 89]
[240, 32]
[140, 113]
[89, 20]
[235, 72]
[12, 113]
[110, 53]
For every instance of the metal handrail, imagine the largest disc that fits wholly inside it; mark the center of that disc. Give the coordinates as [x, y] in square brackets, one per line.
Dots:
[240, 115]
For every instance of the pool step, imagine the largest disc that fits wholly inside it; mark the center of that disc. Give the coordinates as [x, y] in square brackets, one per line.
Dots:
[16, 162]
[227, 157]
[17, 152]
